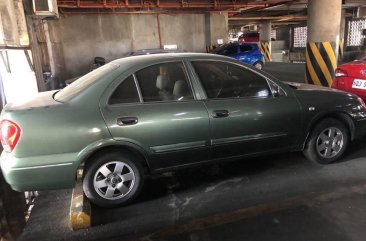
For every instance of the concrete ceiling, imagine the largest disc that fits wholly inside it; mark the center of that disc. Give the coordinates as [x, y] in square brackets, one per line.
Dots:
[240, 12]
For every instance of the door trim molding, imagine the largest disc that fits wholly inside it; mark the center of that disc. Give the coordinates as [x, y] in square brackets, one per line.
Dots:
[178, 146]
[228, 140]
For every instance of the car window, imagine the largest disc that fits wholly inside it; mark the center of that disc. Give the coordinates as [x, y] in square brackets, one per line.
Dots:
[233, 49]
[276, 89]
[84, 82]
[252, 35]
[220, 49]
[245, 48]
[164, 82]
[226, 80]
[126, 92]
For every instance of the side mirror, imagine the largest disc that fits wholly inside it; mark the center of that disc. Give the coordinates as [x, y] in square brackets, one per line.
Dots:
[276, 91]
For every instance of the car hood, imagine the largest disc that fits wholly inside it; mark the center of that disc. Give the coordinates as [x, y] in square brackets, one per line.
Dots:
[43, 99]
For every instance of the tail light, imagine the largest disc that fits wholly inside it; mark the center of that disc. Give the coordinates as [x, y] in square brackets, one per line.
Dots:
[10, 134]
[362, 102]
[340, 73]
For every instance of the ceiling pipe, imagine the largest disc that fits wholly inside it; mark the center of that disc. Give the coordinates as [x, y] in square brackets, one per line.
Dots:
[278, 3]
[65, 12]
[278, 18]
[173, 4]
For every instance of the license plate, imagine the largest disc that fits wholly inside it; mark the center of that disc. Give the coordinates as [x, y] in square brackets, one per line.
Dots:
[359, 84]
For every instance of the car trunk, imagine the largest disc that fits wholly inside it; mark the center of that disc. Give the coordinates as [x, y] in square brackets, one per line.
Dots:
[43, 99]
[355, 69]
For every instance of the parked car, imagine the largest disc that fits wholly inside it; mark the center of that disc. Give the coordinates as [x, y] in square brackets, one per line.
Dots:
[155, 113]
[248, 53]
[351, 77]
[251, 37]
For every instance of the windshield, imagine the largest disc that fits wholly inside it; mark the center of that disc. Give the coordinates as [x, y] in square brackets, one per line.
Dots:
[83, 83]
[220, 49]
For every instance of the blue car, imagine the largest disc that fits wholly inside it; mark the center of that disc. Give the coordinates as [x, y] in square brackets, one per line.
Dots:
[248, 53]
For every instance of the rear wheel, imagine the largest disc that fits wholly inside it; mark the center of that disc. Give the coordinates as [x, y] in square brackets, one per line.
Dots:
[327, 142]
[258, 65]
[113, 179]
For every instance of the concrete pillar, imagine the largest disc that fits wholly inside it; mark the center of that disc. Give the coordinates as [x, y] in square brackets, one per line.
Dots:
[34, 44]
[341, 36]
[265, 39]
[216, 29]
[361, 12]
[324, 19]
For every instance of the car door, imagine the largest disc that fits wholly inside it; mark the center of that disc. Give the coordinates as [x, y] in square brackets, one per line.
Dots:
[155, 109]
[245, 117]
[245, 53]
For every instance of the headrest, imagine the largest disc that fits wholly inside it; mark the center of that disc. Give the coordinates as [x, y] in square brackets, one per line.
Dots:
[162, 82]
[163, 69]
[180, 88]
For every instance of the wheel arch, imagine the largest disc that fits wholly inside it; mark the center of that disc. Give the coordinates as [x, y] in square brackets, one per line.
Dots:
[134, 150]
[344, 117]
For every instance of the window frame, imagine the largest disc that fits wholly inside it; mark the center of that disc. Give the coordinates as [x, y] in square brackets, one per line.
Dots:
[121, 82]
[187, 73]
[199, 82]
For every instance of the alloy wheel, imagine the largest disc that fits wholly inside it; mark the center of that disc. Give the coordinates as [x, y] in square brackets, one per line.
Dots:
[329, 142]
[114, 180]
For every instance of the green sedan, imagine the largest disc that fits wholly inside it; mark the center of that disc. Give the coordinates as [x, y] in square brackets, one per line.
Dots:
[155, 113]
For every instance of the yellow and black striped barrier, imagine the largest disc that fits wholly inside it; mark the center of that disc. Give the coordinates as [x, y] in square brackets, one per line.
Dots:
[210, 48]
[340, 50]
[321, 63]
[265, 48]
[80, 209]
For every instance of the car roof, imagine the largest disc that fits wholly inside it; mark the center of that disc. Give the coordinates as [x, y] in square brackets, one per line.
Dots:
[152, 51]
[250, 34]
[241, 43]
[144, 59]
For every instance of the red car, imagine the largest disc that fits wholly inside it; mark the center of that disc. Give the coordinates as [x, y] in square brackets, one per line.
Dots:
[351, 77]
[249, 37]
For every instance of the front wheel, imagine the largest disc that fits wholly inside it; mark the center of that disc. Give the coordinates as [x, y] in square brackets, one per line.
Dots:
[327, 142]
[112, 179]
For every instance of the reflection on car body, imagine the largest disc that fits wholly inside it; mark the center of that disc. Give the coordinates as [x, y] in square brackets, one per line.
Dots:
[248, 53]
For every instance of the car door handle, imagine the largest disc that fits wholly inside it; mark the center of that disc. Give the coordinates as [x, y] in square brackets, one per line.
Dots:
[125, 121]
[220, 113]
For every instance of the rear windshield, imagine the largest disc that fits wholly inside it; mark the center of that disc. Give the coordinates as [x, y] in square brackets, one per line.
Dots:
[83, 83]
[250, 35]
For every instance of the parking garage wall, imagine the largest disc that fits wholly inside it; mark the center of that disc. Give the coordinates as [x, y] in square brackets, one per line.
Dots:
[76, 39]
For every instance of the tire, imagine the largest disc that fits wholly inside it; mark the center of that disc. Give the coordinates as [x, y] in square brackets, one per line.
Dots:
[258, 65]
[113, 179]
[327, 141]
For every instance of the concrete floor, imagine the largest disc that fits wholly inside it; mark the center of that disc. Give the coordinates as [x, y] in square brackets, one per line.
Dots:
[281, 197]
